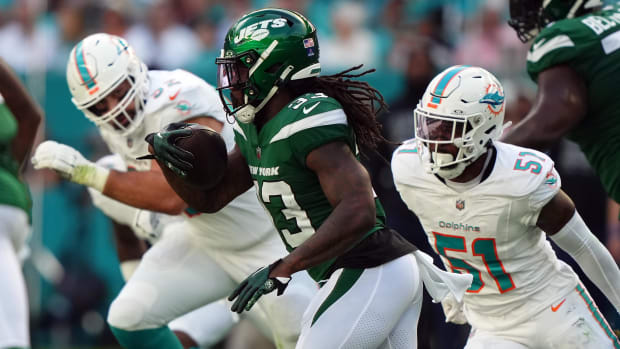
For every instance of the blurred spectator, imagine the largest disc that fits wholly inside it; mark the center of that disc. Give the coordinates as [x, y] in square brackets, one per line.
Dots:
[173, 45]
[352, 43]
[233, 9]
[117, 18]
[191, 11]
[26, 44]
[300, 6]
[492, 44]
[419, 69]
[71, 27]
[204, 63]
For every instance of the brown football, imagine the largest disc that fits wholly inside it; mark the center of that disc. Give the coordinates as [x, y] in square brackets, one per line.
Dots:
[210, 157]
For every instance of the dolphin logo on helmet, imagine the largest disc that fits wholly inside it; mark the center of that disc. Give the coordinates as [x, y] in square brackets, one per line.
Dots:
[463, 107]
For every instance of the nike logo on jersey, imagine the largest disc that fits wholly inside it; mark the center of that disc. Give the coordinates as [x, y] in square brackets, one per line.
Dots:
[307, 110]
[554, 309]
[537, 45]
[174, 95]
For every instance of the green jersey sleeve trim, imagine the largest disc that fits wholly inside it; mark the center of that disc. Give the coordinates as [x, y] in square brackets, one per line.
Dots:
[544, 46]
[332, 117]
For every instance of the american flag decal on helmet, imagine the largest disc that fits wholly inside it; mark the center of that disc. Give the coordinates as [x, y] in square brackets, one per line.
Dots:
[309, 42]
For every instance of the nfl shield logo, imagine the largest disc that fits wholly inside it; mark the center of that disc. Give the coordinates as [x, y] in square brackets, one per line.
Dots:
[460, 204]
[258, 152]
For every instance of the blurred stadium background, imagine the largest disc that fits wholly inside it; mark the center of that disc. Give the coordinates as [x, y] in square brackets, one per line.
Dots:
[73, 273]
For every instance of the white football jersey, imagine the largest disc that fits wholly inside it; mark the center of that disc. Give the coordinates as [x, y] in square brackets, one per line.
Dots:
[490, 231]
[176, 96]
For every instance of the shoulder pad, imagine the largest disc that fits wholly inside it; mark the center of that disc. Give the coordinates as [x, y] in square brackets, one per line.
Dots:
[518, 171]
[407, 166]
[180, 95]
[559, 43]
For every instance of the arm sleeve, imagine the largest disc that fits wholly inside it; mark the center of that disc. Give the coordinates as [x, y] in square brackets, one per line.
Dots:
[593, 258]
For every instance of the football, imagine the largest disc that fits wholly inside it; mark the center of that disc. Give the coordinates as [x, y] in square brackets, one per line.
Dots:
[210, 154]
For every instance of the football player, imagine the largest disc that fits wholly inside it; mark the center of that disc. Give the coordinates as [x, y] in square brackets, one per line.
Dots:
[297, 137]
[197, 260]
[574, 58]
[20, 117]
[487, 207]
[134, 231]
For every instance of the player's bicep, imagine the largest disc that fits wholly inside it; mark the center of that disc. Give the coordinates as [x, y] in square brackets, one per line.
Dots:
[561, 100]
[556, 213]
[340, 174]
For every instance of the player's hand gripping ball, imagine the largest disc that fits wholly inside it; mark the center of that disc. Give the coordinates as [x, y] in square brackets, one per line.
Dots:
[193, 153]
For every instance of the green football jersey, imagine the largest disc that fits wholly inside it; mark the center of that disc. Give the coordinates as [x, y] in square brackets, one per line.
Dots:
[13, 191]
[276, 156]
[589, 44]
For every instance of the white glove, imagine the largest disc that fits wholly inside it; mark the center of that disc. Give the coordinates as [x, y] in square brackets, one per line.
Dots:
[453, 310]
[146, 225]
[69, 164]
[149, 225]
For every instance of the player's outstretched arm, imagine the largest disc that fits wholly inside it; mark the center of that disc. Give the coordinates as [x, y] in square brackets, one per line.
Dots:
[347, 186]
[561, 104]
[24, 108]
[562, 223]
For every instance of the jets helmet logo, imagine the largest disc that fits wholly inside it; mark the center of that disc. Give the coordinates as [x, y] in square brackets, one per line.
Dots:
[259, 30]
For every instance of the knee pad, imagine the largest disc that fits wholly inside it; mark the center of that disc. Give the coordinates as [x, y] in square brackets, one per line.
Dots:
[126, 314]
[130, 310]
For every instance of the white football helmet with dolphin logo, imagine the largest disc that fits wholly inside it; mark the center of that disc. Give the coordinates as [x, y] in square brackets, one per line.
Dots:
[463, 106]
[97, 66]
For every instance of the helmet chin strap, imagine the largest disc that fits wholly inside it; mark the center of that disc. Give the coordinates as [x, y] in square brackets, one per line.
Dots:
[457, 170]
[248, 112]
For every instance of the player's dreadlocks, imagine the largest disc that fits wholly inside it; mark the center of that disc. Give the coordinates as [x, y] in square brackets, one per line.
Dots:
[360, 101]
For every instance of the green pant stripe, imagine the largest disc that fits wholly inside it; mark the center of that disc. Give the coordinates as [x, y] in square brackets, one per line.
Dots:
[598, 316]
[346, 280]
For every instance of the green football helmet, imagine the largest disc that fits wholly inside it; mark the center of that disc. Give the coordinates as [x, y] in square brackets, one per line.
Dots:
[262, 51]
[527, 17]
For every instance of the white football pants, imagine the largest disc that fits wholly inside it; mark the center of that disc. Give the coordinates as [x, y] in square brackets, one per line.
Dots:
[14, 230]
[366, 308]
[573, 322]
[181, 273]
